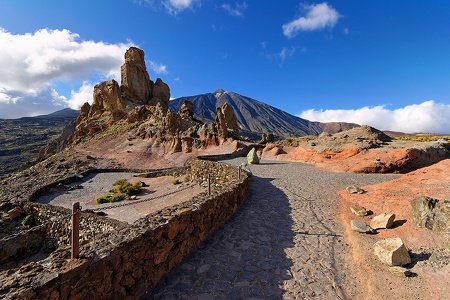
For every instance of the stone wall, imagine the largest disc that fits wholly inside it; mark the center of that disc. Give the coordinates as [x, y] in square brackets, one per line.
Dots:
[125, 261]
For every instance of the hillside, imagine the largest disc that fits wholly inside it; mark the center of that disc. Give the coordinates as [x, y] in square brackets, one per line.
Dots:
[254, 116]
[21, 139]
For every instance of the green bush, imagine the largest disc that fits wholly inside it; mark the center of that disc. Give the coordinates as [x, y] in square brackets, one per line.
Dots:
[123, 190]
[28, 221]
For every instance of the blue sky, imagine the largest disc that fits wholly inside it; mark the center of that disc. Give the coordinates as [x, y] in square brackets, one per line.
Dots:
[383, 63]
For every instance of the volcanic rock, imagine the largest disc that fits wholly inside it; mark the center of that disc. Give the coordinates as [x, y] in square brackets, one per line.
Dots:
[161, 94]
[230, 117]
[252, 157]
[361, 227]
[392, 252]
[430, 213]
[382, 221]
[354, 190]
[134, 77]
[399, 271]
[358, 210]
[187, 109]
[106, 97]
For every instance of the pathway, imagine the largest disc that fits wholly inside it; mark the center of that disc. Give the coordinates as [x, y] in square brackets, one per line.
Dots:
[283, 243]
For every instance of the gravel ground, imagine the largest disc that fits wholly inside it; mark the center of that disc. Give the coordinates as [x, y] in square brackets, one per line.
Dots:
[283, 243]
[159, 192]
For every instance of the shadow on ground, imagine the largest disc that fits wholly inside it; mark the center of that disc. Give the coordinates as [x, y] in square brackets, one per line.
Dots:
[244, 259]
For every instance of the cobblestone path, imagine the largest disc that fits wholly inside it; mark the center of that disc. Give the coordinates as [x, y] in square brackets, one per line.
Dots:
[283, 243]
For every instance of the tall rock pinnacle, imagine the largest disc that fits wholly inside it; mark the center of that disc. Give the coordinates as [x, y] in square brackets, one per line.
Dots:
[136, 82]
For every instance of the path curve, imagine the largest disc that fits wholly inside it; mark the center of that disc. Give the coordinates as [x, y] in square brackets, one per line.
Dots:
[282, 243]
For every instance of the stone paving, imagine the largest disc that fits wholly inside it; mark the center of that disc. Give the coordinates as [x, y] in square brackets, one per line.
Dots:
[283, 243]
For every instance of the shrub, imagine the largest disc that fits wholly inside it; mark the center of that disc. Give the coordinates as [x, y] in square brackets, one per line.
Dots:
[123, 189]
[28, 221]
[175, 181]
[120, 182]
[186, 179]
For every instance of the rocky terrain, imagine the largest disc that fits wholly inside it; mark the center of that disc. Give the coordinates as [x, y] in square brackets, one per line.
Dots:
[361, 150]
[21, 139]
[131, 126]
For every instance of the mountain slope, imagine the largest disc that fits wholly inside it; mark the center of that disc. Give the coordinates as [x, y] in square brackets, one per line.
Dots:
[255, 116]
[21, 139]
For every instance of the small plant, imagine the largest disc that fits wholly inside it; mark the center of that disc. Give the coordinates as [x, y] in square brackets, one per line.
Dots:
[29, 221]
[119, 182]
[175, 181]
[213, 186]
[186, 179]
[122, 190]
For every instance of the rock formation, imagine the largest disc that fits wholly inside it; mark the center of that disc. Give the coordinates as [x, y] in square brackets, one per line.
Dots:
[230, 117]
[430, 213]
[135, 79]
[144, 104]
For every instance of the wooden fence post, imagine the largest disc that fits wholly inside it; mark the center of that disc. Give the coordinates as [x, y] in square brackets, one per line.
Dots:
[75, 229]
[209, 184]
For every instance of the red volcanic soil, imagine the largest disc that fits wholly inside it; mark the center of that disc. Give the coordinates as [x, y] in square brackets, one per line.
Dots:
[432, 273]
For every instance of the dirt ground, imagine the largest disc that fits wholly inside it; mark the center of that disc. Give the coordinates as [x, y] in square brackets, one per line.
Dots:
[430, 250]
[96, 185]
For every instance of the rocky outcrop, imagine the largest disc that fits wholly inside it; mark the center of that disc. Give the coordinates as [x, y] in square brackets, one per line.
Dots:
[230, 117]
[144, 105]
[135, 79]
[430, 213]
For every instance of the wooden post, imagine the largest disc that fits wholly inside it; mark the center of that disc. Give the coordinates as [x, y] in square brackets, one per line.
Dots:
[75, 229]
[209, 184]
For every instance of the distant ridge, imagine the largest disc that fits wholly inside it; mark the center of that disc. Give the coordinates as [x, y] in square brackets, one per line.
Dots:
[256, 117]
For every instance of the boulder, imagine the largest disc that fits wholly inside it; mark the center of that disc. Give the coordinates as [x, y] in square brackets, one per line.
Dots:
[382, 221]
[361, 227]
[430, 213]
[246, 169]
[392, 252]
[400, 271]
[14, 213]
[134, 77]
[252, 157]
[358, 210]
[354, 190]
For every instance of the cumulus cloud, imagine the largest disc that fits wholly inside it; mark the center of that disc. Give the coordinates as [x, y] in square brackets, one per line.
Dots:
[158, 68]
[176, 6]
[318, 16]
[30, 63]
[426, 117]
[237, 11]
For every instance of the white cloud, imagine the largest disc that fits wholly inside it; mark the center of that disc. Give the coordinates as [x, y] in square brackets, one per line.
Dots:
[318, 16]
[286, 53]
[31, 62]
[237, 11]
[83, 95]
[158, 68]
[176, 6]
[426, 117]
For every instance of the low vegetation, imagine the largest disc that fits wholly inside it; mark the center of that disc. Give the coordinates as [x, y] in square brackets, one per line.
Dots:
[422, 137]
[123, 190]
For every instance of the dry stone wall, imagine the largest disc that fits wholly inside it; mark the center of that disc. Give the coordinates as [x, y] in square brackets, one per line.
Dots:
[125, 261]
